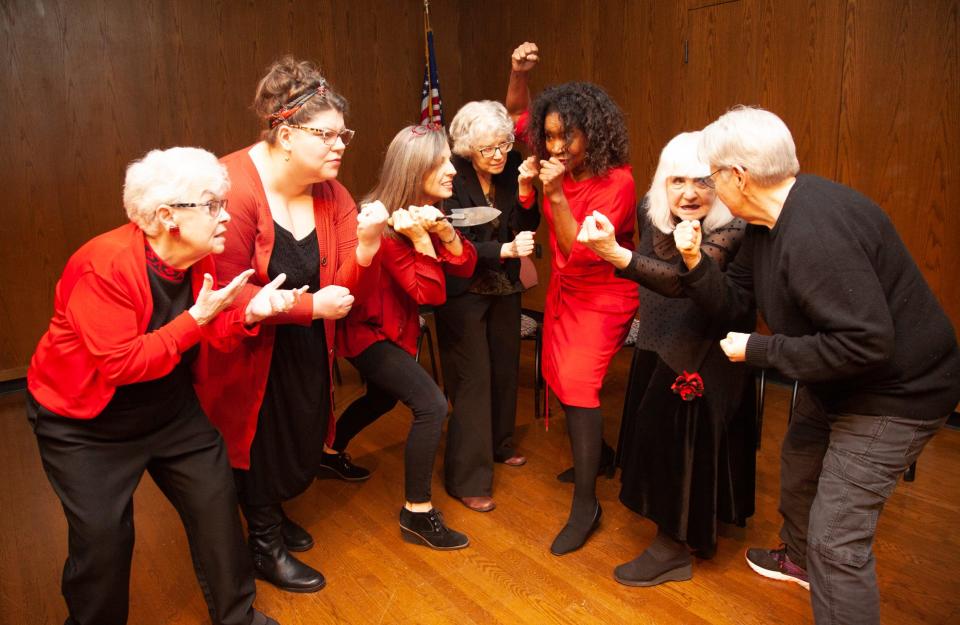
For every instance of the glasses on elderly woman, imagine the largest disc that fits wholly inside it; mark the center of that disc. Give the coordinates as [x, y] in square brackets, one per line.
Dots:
[488, 151]
[329, 136]
[214, 207]
[703, 183]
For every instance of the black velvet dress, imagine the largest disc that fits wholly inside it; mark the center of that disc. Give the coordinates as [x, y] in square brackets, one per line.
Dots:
[292, 424]
[686, 464]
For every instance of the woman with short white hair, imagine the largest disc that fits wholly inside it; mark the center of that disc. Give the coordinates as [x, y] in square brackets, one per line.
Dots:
[688, 434]
[479, 326]
[111, 387]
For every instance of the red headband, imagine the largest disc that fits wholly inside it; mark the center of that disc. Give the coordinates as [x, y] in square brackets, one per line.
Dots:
[290, 109]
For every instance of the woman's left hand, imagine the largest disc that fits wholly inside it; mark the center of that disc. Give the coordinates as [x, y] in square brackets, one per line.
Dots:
[271, 300]
[735, 346]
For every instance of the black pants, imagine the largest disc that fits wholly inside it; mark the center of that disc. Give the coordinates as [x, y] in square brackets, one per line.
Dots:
[479, 339]
[392, 374]
[836, 473]
[95, 466]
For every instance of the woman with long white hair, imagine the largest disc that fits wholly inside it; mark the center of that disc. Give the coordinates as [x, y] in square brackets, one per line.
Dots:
[689, 421]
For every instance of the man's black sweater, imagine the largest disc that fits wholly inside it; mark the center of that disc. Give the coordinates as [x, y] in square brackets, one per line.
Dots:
[851, 313]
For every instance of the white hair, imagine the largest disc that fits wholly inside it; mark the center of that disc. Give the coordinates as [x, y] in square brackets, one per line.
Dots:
[754, 139]
[168, 177]
[476, 120]
[679, 158]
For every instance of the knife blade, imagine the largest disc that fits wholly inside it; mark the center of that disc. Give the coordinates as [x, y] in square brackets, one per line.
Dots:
[472, 216]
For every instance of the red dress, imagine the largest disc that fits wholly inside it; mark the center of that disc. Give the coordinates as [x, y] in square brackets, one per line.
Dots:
[588, 309]
[237, 382]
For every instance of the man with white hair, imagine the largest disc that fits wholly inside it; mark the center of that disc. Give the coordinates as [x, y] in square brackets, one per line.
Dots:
[854, 321]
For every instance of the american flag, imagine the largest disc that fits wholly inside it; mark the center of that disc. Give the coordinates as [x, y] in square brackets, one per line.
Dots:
[431, 108]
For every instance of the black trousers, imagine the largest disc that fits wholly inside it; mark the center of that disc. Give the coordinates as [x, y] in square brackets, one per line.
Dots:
[479, 338]
[392, 374]
[95, 466]
[836, 473]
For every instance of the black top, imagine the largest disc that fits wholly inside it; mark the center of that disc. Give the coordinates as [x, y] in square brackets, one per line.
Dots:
[488, 238]
[172, 293]
[851, 313]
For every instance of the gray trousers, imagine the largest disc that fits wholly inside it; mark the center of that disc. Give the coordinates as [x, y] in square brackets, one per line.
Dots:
[836, 473]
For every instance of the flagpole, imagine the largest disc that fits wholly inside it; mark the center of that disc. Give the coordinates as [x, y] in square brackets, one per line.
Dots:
[426, 57]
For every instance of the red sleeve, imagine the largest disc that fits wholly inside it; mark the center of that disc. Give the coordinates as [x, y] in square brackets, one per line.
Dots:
[241, 233]
[106, 320]
[421, 276]
[461, 266]
[521, 130]
[617, 200]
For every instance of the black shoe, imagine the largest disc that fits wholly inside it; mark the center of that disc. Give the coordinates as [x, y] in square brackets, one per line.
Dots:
[646, 570]
[340, 466]
[429, 529]
[271, 559]
[606, 466]
[259, 618]
[572, 538]
[295, 538]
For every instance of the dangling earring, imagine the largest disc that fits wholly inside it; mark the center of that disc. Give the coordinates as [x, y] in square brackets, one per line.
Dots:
[174, 229]
[286, 157]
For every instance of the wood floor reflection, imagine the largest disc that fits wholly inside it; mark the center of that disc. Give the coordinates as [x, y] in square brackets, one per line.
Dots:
[507, 575]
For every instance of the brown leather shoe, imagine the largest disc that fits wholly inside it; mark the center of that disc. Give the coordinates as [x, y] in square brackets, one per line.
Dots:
[479, 504]
[515, 461]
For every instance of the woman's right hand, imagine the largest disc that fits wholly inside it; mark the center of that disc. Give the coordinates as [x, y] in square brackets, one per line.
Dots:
[551, 175]
[529, 170]
[525, 57]
[332, 302]
[687, 237]
[522, 245]
[211, 301]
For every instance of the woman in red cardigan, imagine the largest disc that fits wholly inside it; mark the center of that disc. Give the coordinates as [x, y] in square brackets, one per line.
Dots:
[110, 387]
[272, 399]
[379, 336]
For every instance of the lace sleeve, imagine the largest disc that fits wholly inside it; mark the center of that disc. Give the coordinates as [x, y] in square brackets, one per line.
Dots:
[655, 263]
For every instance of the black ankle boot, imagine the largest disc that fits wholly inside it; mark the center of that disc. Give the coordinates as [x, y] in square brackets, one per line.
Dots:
[429, 529]
[573, 536]
[606, 467]
[647, 570]
[340, 466]
[271, 559]
[295, 538]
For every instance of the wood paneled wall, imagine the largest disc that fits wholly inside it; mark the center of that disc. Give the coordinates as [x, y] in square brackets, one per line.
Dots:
[87, 86]
[870, 89]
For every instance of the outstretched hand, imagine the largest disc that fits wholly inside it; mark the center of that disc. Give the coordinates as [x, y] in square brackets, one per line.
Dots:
[271, 300]
[211, 301]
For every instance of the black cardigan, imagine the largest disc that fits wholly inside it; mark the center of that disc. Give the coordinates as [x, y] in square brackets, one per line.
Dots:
[851, 313]
[514, 218]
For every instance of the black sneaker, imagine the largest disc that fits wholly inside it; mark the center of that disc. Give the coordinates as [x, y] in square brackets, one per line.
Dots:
[776, 564]
[341, 467]
[429, 529]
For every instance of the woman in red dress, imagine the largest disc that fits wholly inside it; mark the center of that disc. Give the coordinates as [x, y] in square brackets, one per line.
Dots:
[580, 136]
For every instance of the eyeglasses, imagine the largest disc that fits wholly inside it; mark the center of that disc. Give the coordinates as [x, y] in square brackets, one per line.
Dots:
[214, 207]
[329, 136]
[488, 151]
[703, 183]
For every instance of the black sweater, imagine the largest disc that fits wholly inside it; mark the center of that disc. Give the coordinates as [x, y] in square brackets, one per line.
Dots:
[851, 313]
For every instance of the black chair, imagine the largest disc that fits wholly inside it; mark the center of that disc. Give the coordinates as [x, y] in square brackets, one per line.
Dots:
[427, 333]
[531, 329]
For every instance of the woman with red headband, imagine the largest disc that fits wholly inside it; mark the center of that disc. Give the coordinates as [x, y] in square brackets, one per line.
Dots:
[290, 216]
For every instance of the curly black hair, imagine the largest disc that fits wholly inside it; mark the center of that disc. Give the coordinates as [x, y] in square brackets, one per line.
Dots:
[588, 108]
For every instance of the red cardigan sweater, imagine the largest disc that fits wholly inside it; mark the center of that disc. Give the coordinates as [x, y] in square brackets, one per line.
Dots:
[407, 280]
[97, 339]
[234, 390]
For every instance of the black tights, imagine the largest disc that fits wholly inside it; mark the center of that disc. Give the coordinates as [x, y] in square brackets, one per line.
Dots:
[585, 426]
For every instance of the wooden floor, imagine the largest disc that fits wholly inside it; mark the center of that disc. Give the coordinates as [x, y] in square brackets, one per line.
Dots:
[507, 575]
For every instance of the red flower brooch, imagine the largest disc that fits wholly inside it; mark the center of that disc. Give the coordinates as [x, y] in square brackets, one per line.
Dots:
[688, 386]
